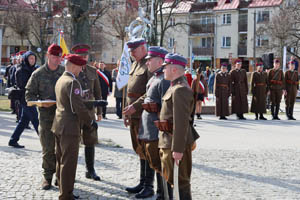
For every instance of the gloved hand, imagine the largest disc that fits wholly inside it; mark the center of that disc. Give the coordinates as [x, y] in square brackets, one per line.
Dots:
[94, 124]
[101, 103]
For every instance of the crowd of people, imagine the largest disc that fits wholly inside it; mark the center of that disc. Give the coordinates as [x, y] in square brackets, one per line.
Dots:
[161, 101]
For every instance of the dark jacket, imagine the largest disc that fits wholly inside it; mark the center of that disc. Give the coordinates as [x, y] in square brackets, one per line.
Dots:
[23, 74]
[105, 89]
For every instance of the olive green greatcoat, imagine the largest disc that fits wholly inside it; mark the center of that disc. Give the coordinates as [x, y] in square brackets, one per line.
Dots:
[41, 86]
[276, 84]
[259, 83]
[239, 91]
[291, 86]
[222, 91]
[136, 89]
[69, 114]
[177, 107]
[90, 84]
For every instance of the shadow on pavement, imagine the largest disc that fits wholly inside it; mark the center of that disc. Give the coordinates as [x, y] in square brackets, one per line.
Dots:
[266, 180]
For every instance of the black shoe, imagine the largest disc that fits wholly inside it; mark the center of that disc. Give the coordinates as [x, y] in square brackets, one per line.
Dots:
[145, 193]
[223, 118]
[13, 112]
[75, 196]
[56, 182]
[262, 118]
[135, 189]
[256, 118]
[46, 185]
[292, 118]
[15, 145]
[92, 175]
[275, 118]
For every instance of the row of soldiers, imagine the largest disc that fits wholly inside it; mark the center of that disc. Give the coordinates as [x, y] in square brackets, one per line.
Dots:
[273, 83]
[159, 111]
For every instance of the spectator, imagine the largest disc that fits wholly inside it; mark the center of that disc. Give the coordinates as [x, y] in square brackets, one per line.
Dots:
[105, 83]
[211, 81]
[188, 76]
[29, 113]
[296, 62]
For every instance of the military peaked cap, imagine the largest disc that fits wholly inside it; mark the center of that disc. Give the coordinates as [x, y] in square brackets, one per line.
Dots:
[156, 51]
[82, 49]
[133, 44]
[175, 59]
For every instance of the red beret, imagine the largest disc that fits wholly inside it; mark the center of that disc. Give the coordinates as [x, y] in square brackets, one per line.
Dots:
[276, 60]
[82, 49]
[76, 59]
[259, 64]
[292, 62]
[237, 61]
[55, 50]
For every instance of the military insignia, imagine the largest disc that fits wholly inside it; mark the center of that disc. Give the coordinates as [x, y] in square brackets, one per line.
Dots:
[77, 91]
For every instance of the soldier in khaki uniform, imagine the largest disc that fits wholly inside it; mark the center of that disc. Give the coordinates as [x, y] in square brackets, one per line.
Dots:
[292, 86]
[136, 88]
[222, 92]
[70, 114]
[276, 86]
[239, 90]
[41, 87]
[89, 81]
[259, 83]
[176, 135]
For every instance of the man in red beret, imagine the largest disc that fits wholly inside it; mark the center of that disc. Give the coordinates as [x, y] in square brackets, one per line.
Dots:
[90, 84]
[239, 90]
[259, 83]
[276, 85]
[292, 86]
[41, 87]
[70, 114]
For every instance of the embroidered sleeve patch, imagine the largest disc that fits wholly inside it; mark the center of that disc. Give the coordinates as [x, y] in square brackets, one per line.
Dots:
[77, 91]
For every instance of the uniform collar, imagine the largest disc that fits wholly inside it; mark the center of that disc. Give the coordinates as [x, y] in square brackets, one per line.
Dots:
[158, 71]
[70, 74]
[178, 80]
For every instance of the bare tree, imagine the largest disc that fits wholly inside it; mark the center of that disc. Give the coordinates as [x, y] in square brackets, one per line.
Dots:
[163, 13]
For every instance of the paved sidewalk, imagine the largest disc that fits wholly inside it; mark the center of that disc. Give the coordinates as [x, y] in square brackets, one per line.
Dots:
[234, 160]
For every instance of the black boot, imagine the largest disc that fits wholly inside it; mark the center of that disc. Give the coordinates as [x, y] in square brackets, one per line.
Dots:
[291, 111]
[272, 112]
[185, 194]
[89, 160]
[160, 189]
[148, 185]
[261, 117]
[198, 116]
[256, 116]
[242, 117]
[277, 111]
[287, 112]
[140, 186]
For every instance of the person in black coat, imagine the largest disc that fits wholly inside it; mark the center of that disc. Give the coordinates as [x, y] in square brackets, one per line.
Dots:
[105, 83]
[29, 113]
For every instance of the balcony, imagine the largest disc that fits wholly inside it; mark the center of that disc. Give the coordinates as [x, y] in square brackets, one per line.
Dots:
[242, 50]
[203, 51]
[196, 28]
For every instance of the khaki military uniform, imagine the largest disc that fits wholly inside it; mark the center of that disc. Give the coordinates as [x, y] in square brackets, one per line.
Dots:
[291, 86]
[276, 85]
[177, 107]
[136, 88]
[69, 114]
[259, 83]
[222, 91]
[41, 87]
[89, 81]
[239, 91]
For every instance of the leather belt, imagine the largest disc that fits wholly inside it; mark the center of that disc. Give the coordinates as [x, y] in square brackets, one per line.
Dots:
[276, 82]
[222, 85]
[260, 84]
[292, 82]
[134, 95]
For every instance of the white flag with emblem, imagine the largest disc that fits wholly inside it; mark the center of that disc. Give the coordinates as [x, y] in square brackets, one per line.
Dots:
[124, 68]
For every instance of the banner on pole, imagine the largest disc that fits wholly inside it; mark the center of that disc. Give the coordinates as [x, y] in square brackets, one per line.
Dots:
[124, 68]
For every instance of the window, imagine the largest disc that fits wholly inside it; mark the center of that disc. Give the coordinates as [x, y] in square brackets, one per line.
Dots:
[113, 59]
[263, 16]
[262, 40]
[206, 20]
[226, 41]
[171, 42]
[172, 21]
[226, 18]
[206, 42]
